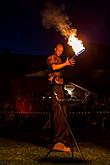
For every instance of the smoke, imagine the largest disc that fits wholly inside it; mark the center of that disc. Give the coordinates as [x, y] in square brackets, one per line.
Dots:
[54, 17]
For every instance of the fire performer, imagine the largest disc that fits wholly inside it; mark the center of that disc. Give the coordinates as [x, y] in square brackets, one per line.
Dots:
[61, 138]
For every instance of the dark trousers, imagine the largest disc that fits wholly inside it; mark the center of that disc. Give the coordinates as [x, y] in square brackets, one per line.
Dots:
[61, 131]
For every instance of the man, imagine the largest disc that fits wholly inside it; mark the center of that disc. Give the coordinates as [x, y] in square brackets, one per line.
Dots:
[61, 133]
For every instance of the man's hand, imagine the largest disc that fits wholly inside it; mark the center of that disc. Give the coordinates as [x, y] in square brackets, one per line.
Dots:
[70, 61]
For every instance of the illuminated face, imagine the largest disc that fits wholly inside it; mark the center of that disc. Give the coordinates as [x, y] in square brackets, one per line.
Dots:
[59, 49]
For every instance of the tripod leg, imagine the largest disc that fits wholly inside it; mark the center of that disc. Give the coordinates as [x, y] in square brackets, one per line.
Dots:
[47, 124]
[71, 132]
[49, 152]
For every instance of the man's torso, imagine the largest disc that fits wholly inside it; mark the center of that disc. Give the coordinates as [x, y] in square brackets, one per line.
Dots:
[54, 76]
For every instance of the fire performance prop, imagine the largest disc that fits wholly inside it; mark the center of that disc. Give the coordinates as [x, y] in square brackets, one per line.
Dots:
[76, 44]
[54, 17]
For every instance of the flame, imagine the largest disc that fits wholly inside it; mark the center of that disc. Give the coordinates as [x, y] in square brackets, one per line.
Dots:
[76, 44]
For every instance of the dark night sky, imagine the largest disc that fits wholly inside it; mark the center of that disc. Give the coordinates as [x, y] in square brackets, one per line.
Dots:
[21, 28]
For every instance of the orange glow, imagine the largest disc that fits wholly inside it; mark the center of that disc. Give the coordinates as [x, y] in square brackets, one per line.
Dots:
[76, 44]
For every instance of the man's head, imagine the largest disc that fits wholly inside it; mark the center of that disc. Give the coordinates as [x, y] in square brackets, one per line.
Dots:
[59, 49]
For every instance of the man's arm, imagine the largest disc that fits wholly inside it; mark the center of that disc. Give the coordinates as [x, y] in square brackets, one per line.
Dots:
[68, 62]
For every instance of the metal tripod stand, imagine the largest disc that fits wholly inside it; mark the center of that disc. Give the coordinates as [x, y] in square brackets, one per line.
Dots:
[71, 133]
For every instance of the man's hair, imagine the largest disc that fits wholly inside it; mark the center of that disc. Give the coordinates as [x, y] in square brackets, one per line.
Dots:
[58, 45]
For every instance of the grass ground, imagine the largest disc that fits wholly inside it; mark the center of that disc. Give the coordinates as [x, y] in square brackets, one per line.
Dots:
[29, 148]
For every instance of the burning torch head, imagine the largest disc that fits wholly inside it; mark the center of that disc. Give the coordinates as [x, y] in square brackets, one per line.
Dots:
[76, 44]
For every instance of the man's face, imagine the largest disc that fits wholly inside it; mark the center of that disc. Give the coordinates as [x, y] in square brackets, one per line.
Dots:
[59, 50]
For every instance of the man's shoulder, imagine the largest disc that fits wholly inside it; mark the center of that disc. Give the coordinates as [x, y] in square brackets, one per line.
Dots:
[52, 56]
[52, 59]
